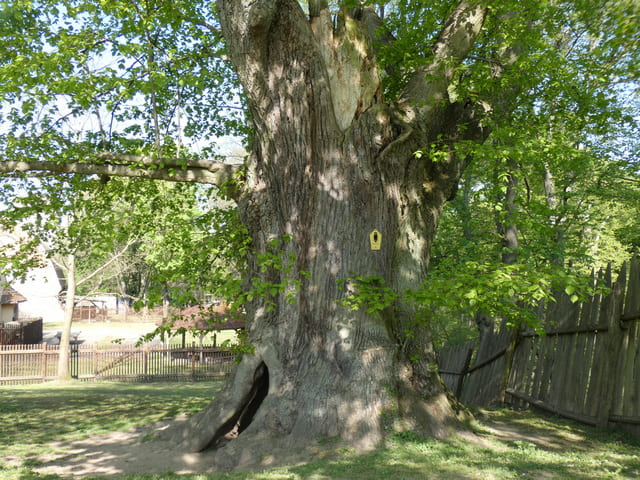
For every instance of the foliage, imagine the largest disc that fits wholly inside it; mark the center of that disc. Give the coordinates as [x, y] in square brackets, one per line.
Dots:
[63, 215]
[131, 75]
[564, 143]
[368, 293]
[275, 259]
[499, 290]
[452, 291]
[100, 224]
[232, 245]
[560, 79]
[196, 251]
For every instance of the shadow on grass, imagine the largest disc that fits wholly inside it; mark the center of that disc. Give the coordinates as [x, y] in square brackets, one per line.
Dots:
[505, 444]
[48, 413]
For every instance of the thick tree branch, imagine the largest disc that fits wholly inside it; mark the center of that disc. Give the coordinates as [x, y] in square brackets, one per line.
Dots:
[317, 6]
[427, 88]
[379, 35]
[154, 162]
[194, 171]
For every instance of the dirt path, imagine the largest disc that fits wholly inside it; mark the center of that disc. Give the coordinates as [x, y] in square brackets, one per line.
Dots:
[122, 453]
[135, 452]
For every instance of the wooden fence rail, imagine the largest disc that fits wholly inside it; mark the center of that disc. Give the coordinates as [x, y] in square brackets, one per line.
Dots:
[38, 363]
[585, 365]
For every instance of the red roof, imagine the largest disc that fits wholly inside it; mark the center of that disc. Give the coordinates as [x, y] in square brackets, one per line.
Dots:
[10, 295]
[208, 317]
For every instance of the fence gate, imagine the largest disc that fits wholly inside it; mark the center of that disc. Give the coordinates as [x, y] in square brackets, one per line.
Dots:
[74, 359]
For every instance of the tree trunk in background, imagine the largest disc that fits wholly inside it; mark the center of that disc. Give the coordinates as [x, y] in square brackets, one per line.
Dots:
[64, 373]
[507, 227]
[557, 220]
[330, 163]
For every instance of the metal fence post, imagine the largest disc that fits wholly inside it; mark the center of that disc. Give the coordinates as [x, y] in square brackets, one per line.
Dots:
[74, 359]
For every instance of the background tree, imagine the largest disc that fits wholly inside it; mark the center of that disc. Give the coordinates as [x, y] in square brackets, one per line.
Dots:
[178, 239]
[68, 219]
[355, 123]
[88, 228]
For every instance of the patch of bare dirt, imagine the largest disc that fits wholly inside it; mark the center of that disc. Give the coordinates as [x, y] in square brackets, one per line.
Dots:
[546, 436]
[144, 451]
[123, 453]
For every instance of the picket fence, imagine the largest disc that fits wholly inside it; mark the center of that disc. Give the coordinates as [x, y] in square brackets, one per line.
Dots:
[38, 363]
[585, 365]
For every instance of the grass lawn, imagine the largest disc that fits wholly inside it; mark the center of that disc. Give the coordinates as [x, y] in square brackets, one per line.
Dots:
[508, 445]
[32, 416]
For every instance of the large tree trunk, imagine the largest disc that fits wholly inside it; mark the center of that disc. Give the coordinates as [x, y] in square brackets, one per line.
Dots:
[330, 163]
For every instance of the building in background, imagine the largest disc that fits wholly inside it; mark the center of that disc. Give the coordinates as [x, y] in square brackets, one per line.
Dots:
[10, 299]
[40, 288]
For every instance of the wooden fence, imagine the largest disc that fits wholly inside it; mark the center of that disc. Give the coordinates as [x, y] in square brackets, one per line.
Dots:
[23, 331]
[38, 363]
[585, 365]
[454, 366]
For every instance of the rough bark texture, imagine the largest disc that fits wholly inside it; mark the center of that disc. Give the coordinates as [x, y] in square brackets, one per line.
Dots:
[331, 162]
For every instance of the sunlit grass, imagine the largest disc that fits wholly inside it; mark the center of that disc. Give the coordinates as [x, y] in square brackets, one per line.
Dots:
[508, 445]
[56, 411]
[34, 416]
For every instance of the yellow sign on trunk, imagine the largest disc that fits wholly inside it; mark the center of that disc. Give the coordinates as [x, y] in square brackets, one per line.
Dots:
[375, 238]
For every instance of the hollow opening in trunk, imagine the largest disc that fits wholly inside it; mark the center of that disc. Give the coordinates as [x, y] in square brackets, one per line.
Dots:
[246, 411]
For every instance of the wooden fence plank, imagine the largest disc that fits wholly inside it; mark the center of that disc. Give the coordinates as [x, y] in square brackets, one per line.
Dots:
[564, 399]
[630, 329]
[570, 313]
[635, 411]
[538, 367]
[484, 384]
[629, 377]
[454, 365]
[584, 391]
[528, 368]
[611, 309]
[561, 369]
[519, 378]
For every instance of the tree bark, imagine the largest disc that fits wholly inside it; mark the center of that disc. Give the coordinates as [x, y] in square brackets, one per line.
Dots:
[331, 162]
[64, 374]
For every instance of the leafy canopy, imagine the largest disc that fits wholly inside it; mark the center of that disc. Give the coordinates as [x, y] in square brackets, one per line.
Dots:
[81, 77]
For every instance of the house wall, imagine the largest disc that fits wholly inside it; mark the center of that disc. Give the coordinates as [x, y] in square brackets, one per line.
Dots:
[7, 312]
[41, 288]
